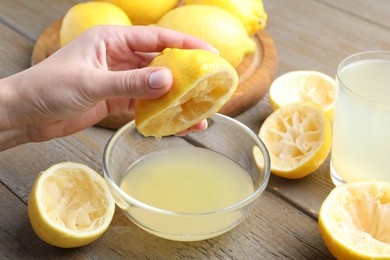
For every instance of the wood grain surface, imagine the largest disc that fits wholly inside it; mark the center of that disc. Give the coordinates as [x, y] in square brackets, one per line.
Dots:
[256, 72]
[308, 34]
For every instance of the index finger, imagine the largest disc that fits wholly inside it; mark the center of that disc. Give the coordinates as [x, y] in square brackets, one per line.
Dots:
[156, 39]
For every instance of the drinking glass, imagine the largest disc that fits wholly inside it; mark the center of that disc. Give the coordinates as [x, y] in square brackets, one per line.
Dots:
[361, 126]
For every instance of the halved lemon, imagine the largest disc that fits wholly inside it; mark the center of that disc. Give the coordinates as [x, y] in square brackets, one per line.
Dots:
[354, 220]
[298, 138]
[202, 82]
[70, 205]
[304, 85]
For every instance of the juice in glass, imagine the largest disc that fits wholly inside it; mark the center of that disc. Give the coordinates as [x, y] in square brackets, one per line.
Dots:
[361, 127]
[186, 181]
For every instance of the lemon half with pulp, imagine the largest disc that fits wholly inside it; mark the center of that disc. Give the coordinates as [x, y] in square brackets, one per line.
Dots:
[298, 138]
[202, 82]
[304, 85]
[70, 205]
[354, 220]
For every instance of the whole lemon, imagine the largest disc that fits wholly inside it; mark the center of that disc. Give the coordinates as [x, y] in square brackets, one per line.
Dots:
[250, 12]
[214, 25]
[144, 12]
[82, 16]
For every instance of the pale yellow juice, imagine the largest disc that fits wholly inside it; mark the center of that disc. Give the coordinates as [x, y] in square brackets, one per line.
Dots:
[361, 127]
[187, 180]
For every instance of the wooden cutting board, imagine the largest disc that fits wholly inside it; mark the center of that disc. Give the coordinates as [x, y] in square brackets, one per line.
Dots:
[256, 71]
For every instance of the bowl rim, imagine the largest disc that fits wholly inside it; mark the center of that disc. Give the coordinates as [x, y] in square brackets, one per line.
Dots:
[132, 201]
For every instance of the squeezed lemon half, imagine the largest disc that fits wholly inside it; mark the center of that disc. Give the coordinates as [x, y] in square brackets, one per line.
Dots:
[298, 138]
[304, 85]
[354, 220]
[70, 205]
[202, 82]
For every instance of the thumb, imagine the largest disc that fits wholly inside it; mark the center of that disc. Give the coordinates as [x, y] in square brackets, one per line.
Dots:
[144, 83]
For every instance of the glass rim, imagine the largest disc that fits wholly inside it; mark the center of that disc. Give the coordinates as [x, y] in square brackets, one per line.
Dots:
[366, 55]
[266, 171]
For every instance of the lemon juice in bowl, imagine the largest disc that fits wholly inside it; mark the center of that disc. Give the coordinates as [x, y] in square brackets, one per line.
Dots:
[190, 187]
[187, 180]
[361, 140]
[187, 188]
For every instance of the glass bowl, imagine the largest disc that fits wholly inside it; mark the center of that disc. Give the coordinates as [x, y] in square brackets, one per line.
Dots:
[224, 136]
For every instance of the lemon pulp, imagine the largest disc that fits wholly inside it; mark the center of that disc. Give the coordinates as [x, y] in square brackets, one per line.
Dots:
[353, 220]
[298, 138]
[202, 83]
[306, 86]
[73, 202]
[70, 205]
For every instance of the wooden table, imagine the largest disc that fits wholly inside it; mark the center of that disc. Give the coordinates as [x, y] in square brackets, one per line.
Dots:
[309, 35]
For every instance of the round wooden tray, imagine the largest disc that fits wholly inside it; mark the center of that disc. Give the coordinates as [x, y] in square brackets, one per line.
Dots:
[256, 71]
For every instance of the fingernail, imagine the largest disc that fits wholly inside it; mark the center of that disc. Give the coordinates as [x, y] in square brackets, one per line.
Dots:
[200, 126]
[215, 50]
[159, 79]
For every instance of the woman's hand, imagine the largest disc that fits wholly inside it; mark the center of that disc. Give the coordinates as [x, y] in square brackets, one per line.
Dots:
[98, 74]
